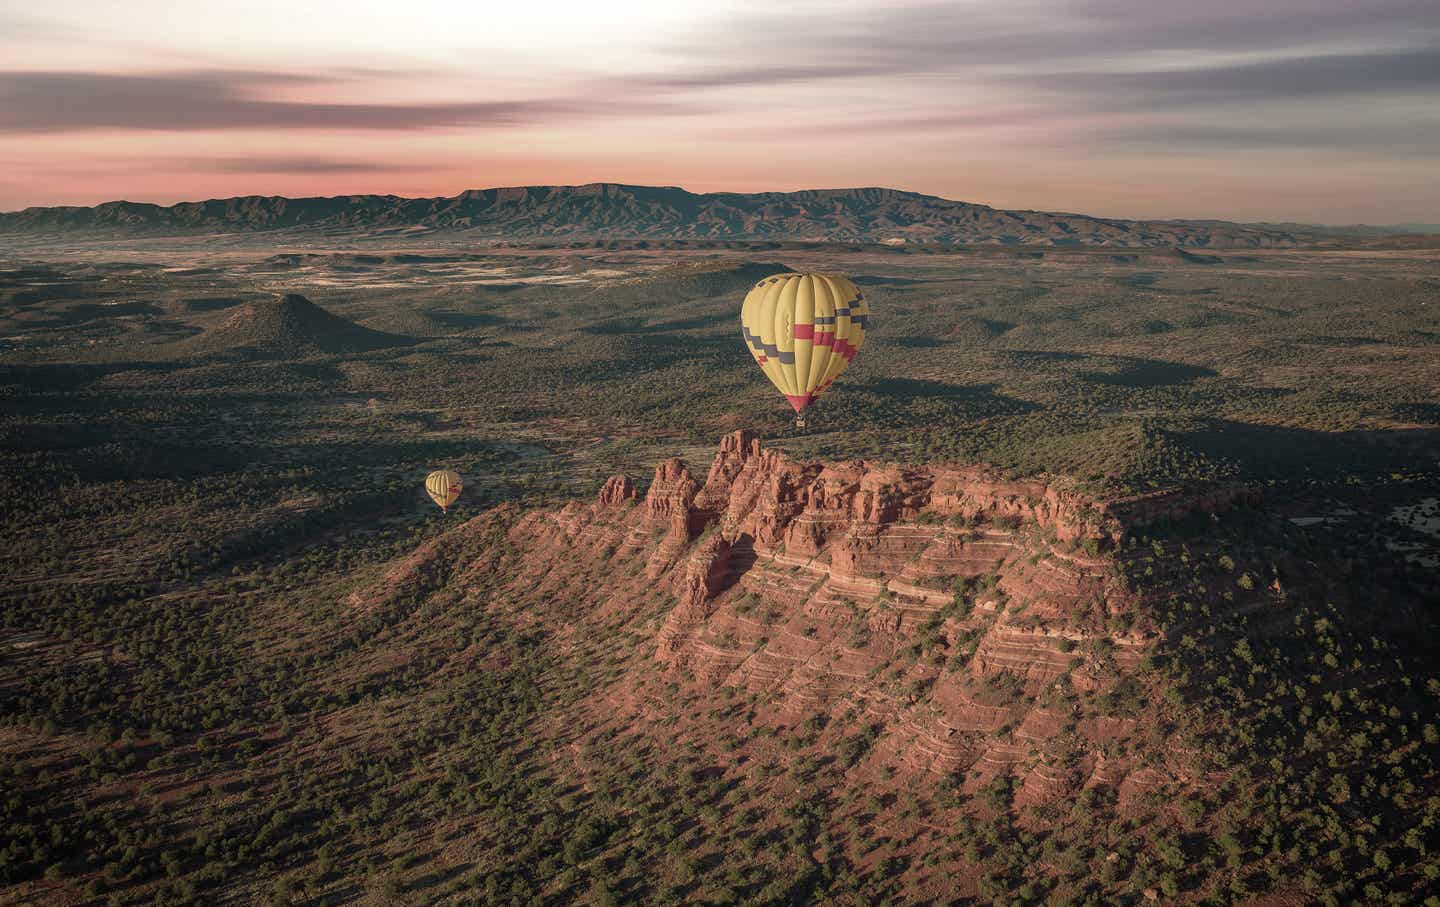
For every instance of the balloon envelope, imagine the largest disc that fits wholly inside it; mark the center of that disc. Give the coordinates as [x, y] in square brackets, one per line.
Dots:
[443, 486]
[803, 330]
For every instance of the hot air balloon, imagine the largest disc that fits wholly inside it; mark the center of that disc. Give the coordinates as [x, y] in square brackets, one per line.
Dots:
[443, 486]
[803, 330]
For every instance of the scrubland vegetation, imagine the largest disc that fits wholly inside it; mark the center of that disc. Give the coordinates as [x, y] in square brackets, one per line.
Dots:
[203, 700]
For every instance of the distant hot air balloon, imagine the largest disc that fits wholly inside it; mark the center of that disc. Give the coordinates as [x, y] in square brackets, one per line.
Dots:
[444, 487]
[803, 330]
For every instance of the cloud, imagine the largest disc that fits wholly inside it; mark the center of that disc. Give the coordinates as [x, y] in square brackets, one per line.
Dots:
[1024, 44]
[1244, 24]
[958, 37]
[1389, 72]
[1100, 71]
[731, 77]
[891, 83]
[1399, 139]
[15, 27]
[219, 100]
[1094, 55]
[1370, 102]
[300, 165]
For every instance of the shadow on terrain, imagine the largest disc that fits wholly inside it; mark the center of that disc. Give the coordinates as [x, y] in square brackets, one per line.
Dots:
[1142, 279]
[742, 558]
[699, 321]
[979, 328]
[632, 324]
[89, 311]
[70, 375]
[1280, 453]
[1031, 358]
[1150, 373]
[210, 304]
[916, 343]
[923, 402]
[468, 319]
[869, 281]
[1425, 413]
[912, 388]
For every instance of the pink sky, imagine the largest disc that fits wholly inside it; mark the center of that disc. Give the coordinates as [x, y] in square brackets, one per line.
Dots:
[1313, 110]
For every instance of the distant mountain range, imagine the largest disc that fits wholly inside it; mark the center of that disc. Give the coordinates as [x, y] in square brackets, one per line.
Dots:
[616, 211]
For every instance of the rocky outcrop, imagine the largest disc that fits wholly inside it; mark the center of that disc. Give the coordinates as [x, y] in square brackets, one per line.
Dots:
[705, 573]
[617, 491]
[781, 503]
[671, 495]
[969, 615]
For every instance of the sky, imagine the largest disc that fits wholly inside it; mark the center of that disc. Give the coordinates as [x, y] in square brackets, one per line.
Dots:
[1323, 111]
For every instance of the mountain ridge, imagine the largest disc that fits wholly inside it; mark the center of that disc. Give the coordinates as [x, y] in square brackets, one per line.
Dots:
[616, 210]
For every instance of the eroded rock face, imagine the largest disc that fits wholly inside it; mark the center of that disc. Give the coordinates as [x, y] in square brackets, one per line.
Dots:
[617, 491]
[780, 503]
[736, 449]
[870, 524]
[965, 613]
[672, 494]
[704, 574]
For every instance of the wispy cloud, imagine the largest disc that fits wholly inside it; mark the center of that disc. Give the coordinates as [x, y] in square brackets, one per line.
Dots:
[1102, 55]
[220, 100]
[1020, 37]
[290, 164]
[1095, 70]
[1054, 101]
[1416, 139]
[1380, 72]
[17, 27]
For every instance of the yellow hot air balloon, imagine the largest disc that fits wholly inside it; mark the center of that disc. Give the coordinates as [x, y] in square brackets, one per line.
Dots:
[803, 330]
[444, 487]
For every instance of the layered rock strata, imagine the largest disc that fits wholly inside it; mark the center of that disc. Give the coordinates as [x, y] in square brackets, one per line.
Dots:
[980, 622]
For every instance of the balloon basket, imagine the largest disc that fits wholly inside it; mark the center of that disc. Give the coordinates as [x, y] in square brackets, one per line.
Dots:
[799, 422]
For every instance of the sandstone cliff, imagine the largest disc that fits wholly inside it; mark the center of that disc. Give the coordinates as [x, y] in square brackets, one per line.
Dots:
[981, 624]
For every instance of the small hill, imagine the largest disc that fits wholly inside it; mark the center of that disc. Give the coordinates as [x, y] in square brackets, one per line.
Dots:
[288, 327]
[698, 280]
